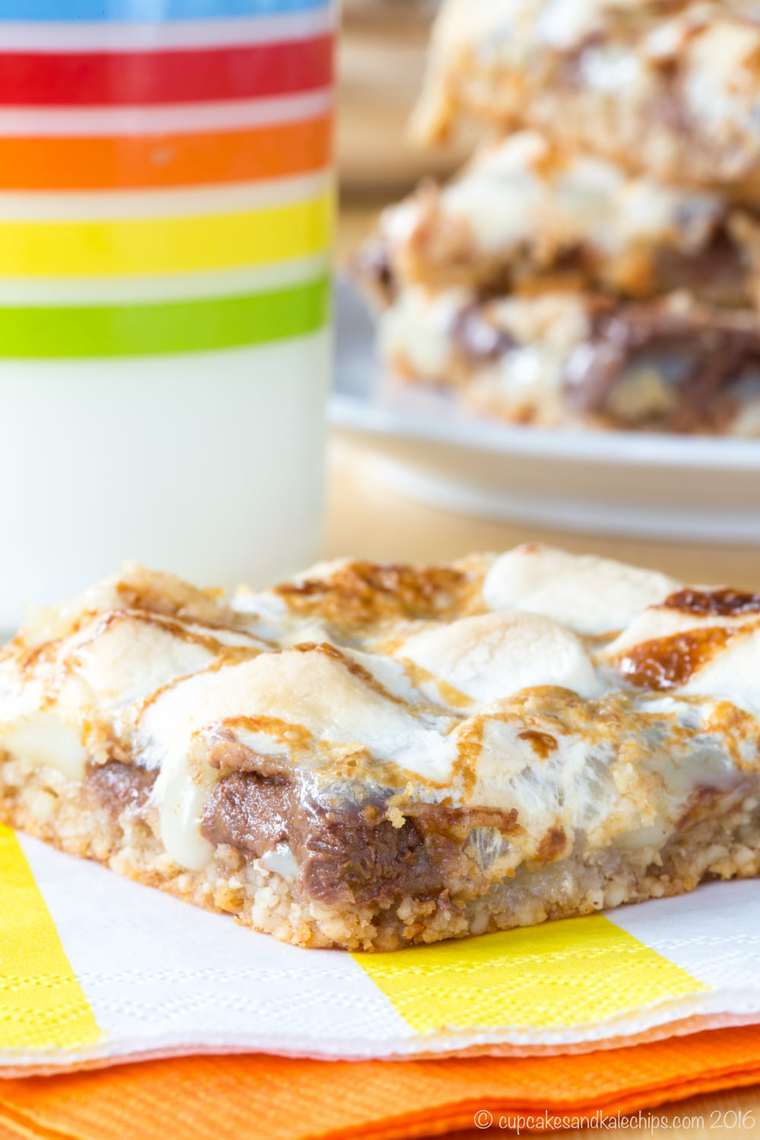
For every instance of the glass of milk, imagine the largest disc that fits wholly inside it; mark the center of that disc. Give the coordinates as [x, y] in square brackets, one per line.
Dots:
[165, 225]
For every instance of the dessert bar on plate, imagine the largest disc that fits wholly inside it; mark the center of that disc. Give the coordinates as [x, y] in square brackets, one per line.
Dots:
[524, 211]
[371, 756]
[596, 264]
[557, 289]
[667, 85]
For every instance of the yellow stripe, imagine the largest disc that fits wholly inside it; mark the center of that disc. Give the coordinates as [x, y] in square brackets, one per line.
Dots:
[133, 246]
[568, 973]
[42, 1005]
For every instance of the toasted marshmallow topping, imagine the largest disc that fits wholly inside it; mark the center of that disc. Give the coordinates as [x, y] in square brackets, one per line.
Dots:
[494, 656]
[709, 645]
[567, 789]
[658, 622]
[128, 658]
[721, 84]
[45, 740]
[591, 595]
[733, 674]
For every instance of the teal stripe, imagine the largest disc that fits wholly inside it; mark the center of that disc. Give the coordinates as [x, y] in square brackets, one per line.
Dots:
[143, 329]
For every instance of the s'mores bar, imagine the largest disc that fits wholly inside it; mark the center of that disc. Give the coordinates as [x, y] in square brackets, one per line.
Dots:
[558, 289]
[525, 216]
[370, 756]
[596, 264]
[668, 86]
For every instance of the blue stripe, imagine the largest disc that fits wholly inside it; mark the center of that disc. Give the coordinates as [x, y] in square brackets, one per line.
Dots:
[147, 11]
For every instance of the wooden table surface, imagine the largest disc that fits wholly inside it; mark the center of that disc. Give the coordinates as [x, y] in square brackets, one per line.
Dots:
[366, 518]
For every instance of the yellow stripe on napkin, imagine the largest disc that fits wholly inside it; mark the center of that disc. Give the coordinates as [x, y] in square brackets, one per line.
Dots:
[565, 973]
[42, 1005]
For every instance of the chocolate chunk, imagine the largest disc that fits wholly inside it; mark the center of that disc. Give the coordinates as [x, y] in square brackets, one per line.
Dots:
[364, 853]
[477, 338]
[353, 849]
[249, 812]
[700, 355]
[718, 274]
[118, 786]
[372, 266]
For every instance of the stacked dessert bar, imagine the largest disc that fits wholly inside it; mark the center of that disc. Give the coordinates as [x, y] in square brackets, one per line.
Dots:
[596, 263]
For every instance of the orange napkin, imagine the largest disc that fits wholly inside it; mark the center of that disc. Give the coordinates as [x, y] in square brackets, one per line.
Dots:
[276, 1098]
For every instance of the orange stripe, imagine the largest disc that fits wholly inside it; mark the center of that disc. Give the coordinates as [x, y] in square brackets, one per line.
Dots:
[150, 162]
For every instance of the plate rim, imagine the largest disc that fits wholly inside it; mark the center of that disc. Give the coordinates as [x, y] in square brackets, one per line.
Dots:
[623, 448]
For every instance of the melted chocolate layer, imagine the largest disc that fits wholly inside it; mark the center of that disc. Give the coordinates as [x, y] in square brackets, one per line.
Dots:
[355, 850]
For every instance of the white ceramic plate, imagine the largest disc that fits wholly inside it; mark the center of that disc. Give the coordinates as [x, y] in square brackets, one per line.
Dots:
[609, 482]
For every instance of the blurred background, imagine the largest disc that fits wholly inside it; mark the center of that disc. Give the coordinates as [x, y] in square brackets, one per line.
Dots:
[381, 59]
[377, 513]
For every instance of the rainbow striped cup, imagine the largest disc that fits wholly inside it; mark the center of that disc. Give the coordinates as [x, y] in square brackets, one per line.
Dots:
[165, 225]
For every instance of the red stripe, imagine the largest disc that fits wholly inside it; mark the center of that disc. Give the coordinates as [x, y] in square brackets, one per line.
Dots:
[122, 78]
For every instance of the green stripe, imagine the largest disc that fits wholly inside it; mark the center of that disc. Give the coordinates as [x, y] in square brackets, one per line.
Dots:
[144, 329]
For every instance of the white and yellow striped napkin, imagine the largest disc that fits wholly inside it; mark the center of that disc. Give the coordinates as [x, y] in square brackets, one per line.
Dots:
[95, 969]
